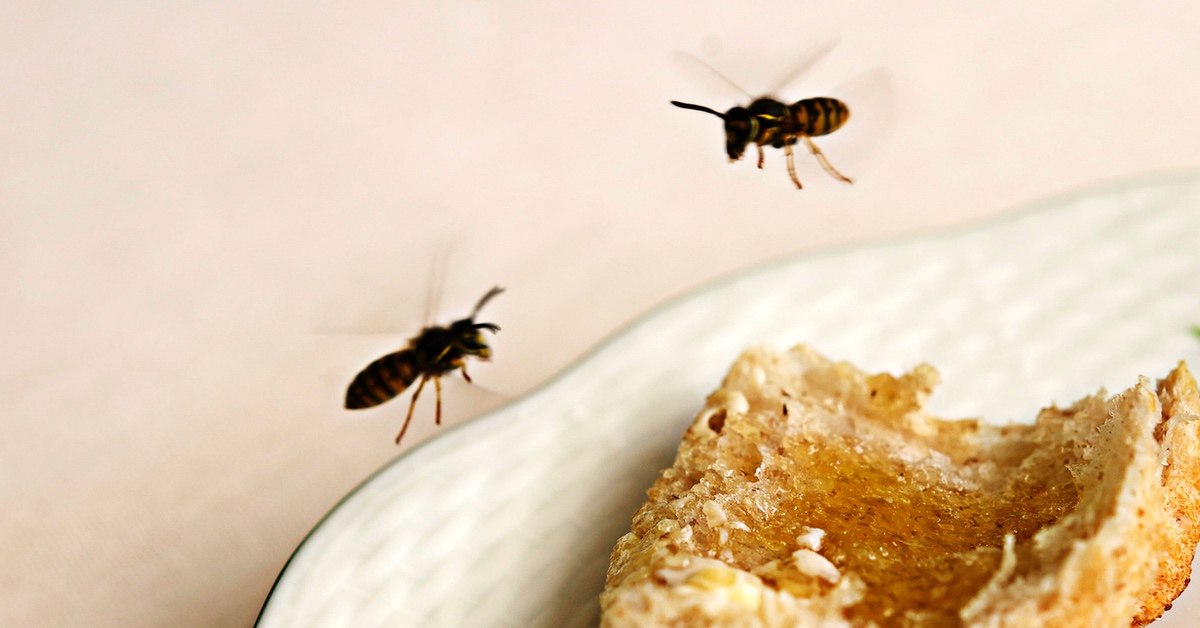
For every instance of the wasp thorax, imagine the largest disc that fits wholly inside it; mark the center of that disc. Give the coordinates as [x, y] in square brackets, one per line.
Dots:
[768, 108]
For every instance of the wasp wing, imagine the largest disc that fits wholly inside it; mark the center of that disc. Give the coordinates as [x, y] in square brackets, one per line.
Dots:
[871, 98]
[695, 66]
[801, 68]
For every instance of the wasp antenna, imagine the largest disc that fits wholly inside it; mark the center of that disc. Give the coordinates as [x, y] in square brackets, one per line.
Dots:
[684, 105]
[485, 298]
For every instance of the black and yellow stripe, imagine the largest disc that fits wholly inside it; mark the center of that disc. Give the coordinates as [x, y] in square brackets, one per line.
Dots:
[818, 116]
[382, 379]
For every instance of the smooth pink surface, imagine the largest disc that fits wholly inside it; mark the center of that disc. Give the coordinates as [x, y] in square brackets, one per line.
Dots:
[213, 216]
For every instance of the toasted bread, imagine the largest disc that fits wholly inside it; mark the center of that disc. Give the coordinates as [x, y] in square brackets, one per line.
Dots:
[810, 493]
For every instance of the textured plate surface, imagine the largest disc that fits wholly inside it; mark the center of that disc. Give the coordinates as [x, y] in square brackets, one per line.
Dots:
[509, 519]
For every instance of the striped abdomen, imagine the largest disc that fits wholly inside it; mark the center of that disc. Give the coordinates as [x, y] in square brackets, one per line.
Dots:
[382, 379]
[818, 116]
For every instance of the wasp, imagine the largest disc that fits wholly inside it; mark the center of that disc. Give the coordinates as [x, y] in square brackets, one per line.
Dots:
[767, 121]
[434, 352]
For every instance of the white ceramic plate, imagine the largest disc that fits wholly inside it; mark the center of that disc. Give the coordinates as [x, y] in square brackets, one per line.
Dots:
[508, 520]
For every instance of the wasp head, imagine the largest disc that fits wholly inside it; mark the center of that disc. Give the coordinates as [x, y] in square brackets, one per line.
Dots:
[466, 334]
[740, 129]
[467, 338]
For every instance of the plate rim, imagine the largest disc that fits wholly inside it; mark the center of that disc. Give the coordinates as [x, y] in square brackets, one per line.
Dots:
[1021, 211]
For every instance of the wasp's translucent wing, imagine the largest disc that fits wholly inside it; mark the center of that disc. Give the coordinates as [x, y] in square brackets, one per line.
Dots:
[801, 68]
[872, 101]
[436, 285]
[379, 297]
[695, 66]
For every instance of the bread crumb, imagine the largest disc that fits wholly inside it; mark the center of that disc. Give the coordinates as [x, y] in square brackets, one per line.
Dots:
[810, 538]
[814, 564]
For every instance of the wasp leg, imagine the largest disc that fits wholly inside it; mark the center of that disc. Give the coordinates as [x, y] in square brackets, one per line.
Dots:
[412, 404]
[791, 163]
[437, 384]
[824, 161]
[464, 372]
[760, 155]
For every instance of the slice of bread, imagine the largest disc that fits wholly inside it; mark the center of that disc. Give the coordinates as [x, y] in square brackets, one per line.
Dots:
[810, 493]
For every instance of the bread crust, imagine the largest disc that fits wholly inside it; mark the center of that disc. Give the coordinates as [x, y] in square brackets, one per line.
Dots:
[1178, 433]
[810, 493]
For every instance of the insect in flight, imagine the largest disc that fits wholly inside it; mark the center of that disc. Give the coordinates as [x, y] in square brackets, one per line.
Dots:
[767, 121]
[431, 354]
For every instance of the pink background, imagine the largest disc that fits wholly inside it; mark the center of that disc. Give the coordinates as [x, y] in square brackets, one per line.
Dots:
[212, 216]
